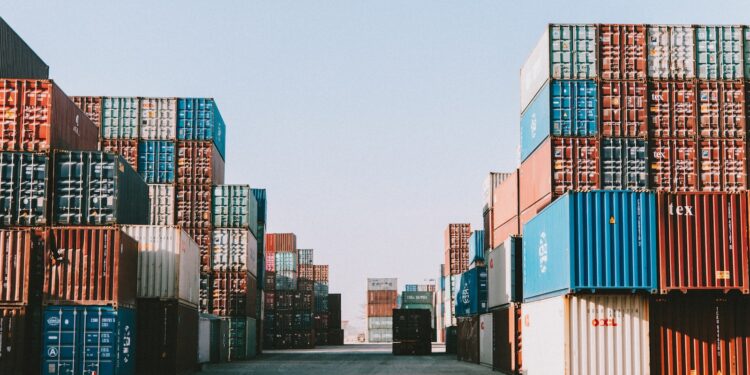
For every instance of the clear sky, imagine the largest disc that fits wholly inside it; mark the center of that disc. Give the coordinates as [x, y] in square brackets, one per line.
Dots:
[371, 123]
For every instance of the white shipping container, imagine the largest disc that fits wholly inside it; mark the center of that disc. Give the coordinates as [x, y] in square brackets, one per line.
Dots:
[586, 335]
[379, 335]
[380, 322]
[204, 340]
[382, 284]
[168, 262]
[671, 52]
[490, 182]
[158, 118]
[234, 250]
[499, 275]
[485, 339]
[162, 201]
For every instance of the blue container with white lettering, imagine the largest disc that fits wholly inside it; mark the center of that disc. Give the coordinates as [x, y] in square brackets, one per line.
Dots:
[471, 292]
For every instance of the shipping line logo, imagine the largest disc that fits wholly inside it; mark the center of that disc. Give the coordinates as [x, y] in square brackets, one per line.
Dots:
[543, 252]
[680, 210]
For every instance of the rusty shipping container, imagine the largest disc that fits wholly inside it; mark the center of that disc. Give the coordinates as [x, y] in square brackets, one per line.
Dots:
[234, 294]
[162, 204]
[321, 272]
[722, 164]
[559, 165]
[703, 242]
[39, 117]
[721, 109]
[281, 242]
[456, 237]
[306, 272]
[90, 266]
[199, 163]
[674, 165]
[193, 206]
[468, 339]
[624, 109]
[20, 334]
[506, 349]
[381, 309]
[622, 52]
[203, 238]
[700, 335]
[505, 210]
[204, 293]
[21, 252]
[128, 148]
[167, 337]
[91, 106]
[672, 109]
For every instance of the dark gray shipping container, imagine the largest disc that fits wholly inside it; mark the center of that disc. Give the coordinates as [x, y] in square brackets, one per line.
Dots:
[167, 337]
[17, 59]
[624, 163]
[23, 188]
[97, 188]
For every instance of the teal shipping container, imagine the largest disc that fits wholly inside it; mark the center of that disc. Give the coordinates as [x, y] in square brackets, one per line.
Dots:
[594, 241]
[242, 331]
[719, 52]
[23, 188]
[476, 247]
[199, 119]
[260, 197]
[120, 117]
[234, 206]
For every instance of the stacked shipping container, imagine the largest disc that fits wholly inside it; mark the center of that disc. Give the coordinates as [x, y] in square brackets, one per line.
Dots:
[382, 294]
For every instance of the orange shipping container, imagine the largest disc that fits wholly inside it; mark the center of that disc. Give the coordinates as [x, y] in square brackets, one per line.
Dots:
[721, 109]
[380, 309]
[674, 165]
[20, 254]
[622, 52]
[382, 297]
[723, 166]
[281, 242]
[505, 210]
[128, 148]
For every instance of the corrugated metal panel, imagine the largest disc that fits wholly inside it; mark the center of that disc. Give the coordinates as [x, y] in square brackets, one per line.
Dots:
[241, 338]
[671, 52]
[168, 263]
[382, 284]
[162, 200]
[490, 183]
[18, 59]
[156, 161]
[504, 273]
[721, 109]
[703, 242]
[624, 163]
[281, 242]
[586, 334]
[379, 335]
[199, 119]
[471, 293]
[193, 206]
[199, 163]
[476, 246]
[723, 164]
[120, 117]
[158, 118]
[260, 197]
[672, 109]
[306, 258]
[167, 337]
[719, 52]
[622, 52]
[21, 252]
[234, 250]
[234, 206]
[24, 184]
[624, 111]
[674, 165]
[597, 241]
[321, 272]
[485, 339]
[233, 294]
[127, 148]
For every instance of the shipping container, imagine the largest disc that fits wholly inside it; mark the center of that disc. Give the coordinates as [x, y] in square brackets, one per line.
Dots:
[624, 109]
[585, 334]
[199, 119]
[24, 188]
[260, 197]
[671, 52]
[286, 279]
[18, 59]
[559, 165]
[721, 109]
[476, 247]
[622, 52]
[379, 335]
[321, 273]
[505, 210]
[203, 238]
[672, 109]
[457, 248]
[234, 250]
[242, 331]
[127, 148]
[193, 206]
[40, 117]
[471, 294]
[156, 161]
[703, 242]
[596, 241]
[306, 259]
[158, 118]
[21, 253]
[504, 274]
[199, 163]
[468, 339]
[563, 52]
[485, 339]
[561, 109]
[412, 325]
[624, 164]
[20, 331]
[91, 106]
[270, 281]
[233, 294]
[700, 335]
[270, 260]
[336, 337]
[97, 188]
[334, 310]
[306, 274]
[381, 309]
[281, 242]
[234, 206]
[168, 263]
[674, 165]
[718, 51]
[120, 117]
[723, 164]
[416, 299]
[162, 204]
[491, 182]
[507, 338]
[213, 339]
[167, 337]
[381, 296]
[90, 266]
[205, 293]
[89, 340]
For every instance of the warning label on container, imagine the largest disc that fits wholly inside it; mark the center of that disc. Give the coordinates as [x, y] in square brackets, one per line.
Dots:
[722, 275]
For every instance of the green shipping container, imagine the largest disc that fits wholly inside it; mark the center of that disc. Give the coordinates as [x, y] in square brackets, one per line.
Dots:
[242, 342]
[234, 206]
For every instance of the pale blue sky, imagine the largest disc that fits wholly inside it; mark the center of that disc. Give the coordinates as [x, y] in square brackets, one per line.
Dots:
[371, 123]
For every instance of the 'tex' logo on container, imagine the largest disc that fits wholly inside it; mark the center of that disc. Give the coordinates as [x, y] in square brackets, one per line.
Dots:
[680, 210]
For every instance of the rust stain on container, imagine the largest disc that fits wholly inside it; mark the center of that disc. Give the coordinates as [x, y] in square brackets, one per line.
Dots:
[281, 242]
[193, 206]
[723, 164]
[674, 165]
[91, 106]
[672, 109]
[623, 109]
[622, 52]
[199, 163]
[202, 237]
[128, 148]
[21, 252]
[234, 294]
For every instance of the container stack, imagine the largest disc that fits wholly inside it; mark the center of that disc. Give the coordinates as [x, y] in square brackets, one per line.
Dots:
[335, 330]
[381, 300]
[260, 275]
[320, 307]
[456, 262]
[412, 331]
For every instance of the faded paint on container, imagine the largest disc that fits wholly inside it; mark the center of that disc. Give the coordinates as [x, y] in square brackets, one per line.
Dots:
[624, 163]
[721, 109]
[24, 188]
[156, 161]
[624, 109]
[718, 51]
[40, 117]
[120, 117]
[485, 339]
[158, 118]
[674, 165]
[671, 52]
[234, 206]
[234, 250]
[595, 241]
[672, 109]
[20, 337]
[21, 252]
[504, 274]
[382, 284]
[18, 59]
[168, 263]
[622, 52]
[194, 206]
[562, 109]
[90, 266]
[586, 334]
[127, 148]
[162, 201]
[167, 337]
[199, 163]
[703, 242]
[199, 119]
[723, 164]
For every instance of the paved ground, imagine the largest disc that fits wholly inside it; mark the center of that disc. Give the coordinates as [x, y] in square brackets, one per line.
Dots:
[348, 359]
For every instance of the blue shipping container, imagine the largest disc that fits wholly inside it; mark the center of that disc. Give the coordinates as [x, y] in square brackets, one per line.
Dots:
[476, 246]
[471, 294]
[199, 119]
[562, 108]
[156, 161]
[88, 340]
[260, 196]
[593, 241]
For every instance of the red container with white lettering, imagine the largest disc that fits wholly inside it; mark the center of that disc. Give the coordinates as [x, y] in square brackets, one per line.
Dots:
[703, 242]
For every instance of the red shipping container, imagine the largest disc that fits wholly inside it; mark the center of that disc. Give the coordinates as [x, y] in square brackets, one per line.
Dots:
[305, 272]
[510, 228]
[703, 242]
[270, 260]
[622, 52]
[559, 165]
[128, 148]
[380, 309]
[532, 211]
[234, 294]
[281, 242]
[202, 237]
[505, 209]
[674, 165]
[672, 109]
[456, 238]
[623, 109]
[382, 296]
[199, 163]
[91, 106]
[39, 117]
[20, 335]
[321, 272]
[90, 266]
[723, 165]
[21, 275]
[193, 206]
[700, 335]
[721, 109]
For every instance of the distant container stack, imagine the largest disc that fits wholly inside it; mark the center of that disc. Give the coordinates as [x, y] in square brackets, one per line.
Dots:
[382, 294]
[335, 330]
[456, 262]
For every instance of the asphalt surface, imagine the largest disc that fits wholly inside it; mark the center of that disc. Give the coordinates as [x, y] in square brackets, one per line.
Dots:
[348, 359]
